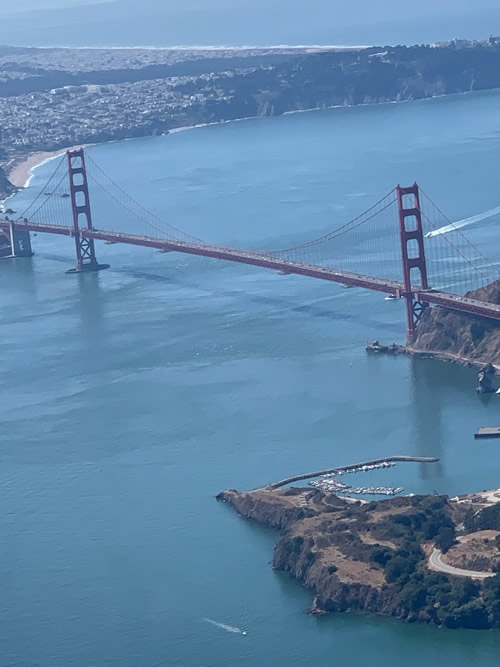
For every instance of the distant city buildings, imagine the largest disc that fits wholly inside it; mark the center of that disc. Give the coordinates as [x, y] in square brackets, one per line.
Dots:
[468, 43]
[56, 98]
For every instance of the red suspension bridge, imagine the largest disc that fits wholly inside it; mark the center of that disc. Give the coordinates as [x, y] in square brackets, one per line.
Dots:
[402, 246]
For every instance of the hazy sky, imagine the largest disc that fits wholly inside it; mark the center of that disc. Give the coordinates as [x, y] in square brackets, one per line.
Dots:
[169, 22]
[30, 5]
[344, 10]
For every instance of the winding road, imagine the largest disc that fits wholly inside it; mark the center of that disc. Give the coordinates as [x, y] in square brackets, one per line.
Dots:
[435, 563]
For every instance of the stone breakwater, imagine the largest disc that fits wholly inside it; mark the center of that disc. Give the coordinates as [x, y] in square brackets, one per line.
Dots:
[355, 467]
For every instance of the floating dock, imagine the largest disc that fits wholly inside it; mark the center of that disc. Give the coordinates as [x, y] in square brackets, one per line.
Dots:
[488, 432]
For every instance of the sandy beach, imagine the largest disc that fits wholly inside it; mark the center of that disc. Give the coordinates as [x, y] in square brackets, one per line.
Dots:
[20, 171]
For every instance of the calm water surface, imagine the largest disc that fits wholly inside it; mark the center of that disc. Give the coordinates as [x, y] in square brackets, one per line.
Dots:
[168, 23]
[131, 397]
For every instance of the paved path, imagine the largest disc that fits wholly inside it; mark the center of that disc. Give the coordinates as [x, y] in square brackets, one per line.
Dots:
[436, 563]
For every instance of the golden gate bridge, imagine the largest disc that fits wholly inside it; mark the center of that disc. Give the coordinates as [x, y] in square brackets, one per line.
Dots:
[389, 248]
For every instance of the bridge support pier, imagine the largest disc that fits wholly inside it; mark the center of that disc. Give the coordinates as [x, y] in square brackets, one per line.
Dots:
[17, 242]
[413, 256]
[80, 203]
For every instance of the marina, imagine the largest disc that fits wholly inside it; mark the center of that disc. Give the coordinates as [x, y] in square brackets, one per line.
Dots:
[366, 466]
[376, 491]
[333, 486]
[330, 484]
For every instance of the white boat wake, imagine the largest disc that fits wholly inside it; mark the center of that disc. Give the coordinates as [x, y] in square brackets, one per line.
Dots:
[227, 628]
[464, 223]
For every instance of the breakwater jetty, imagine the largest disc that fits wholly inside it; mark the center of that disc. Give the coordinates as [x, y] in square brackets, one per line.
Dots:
[356, 467]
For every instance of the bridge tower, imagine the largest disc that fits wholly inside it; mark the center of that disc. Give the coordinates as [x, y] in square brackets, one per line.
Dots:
[413, 256]
[80, 204]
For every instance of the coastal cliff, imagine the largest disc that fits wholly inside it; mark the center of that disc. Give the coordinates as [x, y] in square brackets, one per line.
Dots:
[372, 556]
[468, 338]
[58, 89]
[6, 187]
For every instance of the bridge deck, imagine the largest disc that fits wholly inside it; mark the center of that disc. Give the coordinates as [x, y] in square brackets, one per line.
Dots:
[268, 261]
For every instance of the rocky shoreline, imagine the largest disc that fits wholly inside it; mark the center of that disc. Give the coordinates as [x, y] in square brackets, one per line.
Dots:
[403, 350]
[6, 187]
[372, 556]
[292, 554]
[455, 337]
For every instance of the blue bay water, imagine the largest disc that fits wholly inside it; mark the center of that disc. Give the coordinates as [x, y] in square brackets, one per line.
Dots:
[131, 397]
[166, 23]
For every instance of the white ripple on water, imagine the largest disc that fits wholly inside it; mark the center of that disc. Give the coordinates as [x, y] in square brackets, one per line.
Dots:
[464, 222]
[227, 628]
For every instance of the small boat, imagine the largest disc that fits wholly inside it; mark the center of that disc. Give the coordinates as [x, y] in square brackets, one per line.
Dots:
[391, 297]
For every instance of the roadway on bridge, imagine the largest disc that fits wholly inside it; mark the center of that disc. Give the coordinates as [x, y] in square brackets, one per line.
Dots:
[273, 262]
[436, 563]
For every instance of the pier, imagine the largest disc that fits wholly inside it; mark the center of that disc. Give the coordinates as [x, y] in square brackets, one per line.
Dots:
[356, 467]
[488, 432]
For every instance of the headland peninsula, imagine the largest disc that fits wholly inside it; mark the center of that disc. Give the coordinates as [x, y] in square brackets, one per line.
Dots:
[54, 98]
[457, 337]
[429, 559]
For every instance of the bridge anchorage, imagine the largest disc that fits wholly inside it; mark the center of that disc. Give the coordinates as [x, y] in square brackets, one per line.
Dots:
[14, 242]
[80, 204]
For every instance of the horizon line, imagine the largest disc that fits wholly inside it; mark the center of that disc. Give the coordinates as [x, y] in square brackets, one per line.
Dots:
[205, 47]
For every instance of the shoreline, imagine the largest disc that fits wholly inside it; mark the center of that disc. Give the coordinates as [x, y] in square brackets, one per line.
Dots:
[210, 47]
[449, 357]
[20, 170]
[332, 547]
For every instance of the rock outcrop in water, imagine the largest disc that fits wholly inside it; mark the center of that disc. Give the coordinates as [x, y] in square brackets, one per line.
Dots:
[466, 337]
[484, 383]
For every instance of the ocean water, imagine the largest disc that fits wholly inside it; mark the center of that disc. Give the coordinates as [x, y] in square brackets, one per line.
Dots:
[240, 22]
[129, 398]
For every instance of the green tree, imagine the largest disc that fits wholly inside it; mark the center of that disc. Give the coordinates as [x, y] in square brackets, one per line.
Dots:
[413, 596]
[473, 615]
[489, 518]
[493, 608]
[382, 555]
[463, 590]
[397, 567]
[445, 538]
[491, 589]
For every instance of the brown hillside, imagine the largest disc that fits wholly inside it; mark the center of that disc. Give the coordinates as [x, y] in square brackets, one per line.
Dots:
[466, 336]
